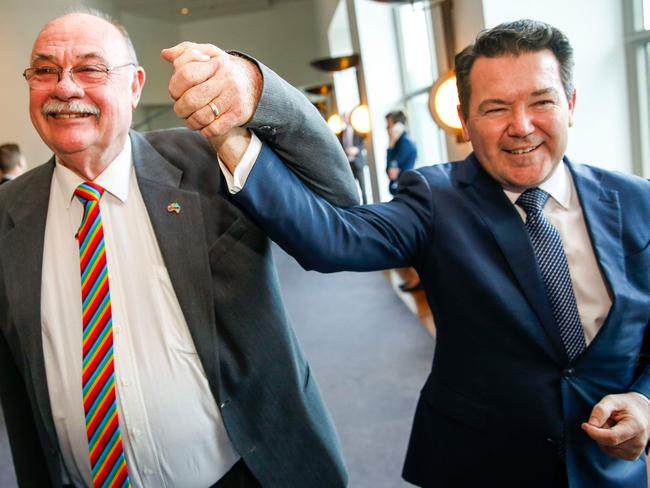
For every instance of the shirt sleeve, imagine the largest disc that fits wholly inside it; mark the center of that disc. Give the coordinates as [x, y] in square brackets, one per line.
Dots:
[237, 180]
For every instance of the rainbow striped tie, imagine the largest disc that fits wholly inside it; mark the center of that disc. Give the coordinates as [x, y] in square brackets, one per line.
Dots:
[102, 427]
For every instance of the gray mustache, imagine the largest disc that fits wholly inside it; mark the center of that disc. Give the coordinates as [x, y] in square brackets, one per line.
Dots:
[75, 106]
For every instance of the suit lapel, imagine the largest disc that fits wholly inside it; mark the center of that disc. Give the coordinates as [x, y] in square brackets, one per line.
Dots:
[22, 264]
[506, 226]
[602, 214]
[182, 242]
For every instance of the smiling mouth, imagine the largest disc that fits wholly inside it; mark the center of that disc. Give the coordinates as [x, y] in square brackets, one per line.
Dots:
[69, 115]
[523, 150]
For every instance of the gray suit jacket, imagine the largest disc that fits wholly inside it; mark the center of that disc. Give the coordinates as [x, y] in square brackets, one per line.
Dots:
[221, 267]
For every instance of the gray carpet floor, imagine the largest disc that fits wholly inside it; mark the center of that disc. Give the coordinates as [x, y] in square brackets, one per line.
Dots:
[370, 356]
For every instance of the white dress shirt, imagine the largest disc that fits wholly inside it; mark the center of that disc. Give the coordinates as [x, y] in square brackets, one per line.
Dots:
[563, 210]
[172, 430]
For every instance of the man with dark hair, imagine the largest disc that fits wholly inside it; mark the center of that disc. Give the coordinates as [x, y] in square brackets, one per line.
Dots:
[536, 269]
[401, 153]
[143, 340]
[12, 162]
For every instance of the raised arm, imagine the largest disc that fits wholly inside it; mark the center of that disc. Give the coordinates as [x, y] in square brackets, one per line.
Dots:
[244, 92]
[323, 237]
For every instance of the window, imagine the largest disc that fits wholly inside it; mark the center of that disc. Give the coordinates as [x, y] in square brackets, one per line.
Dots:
[418, 67]
[637, 28]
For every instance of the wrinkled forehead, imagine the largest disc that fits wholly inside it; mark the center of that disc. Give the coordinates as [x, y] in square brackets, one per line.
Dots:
[78, 37]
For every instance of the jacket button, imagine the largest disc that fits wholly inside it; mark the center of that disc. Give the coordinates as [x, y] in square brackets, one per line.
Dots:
[568, 373]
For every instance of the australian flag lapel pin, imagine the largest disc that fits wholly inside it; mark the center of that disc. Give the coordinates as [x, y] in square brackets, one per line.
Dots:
[174, 207]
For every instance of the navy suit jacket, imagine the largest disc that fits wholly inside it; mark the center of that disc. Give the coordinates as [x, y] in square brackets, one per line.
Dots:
[503, 404]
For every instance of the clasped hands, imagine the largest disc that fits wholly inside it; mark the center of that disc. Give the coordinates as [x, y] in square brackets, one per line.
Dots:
[215, 92]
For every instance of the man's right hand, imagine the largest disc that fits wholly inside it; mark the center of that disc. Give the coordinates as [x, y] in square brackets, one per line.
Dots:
[204, 75]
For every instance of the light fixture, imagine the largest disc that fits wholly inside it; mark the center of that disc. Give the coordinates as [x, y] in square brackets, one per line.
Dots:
[336, 123]
[324, 89]
[443, 103]
[336, 64]
[360, 119]
[184, 11]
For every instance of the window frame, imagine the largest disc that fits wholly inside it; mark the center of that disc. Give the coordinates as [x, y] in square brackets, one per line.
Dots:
[637, 41]
[409, 96]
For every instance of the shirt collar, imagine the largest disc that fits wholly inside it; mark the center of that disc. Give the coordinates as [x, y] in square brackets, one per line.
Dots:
[114, 179]
[557, 185]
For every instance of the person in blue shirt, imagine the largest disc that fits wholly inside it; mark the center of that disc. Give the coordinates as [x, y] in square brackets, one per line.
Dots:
[401, 153]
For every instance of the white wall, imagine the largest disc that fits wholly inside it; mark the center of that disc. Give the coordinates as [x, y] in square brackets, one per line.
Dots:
[284, 37]
[20, 23]
[324, 11]
[600, 134]
[149, 36]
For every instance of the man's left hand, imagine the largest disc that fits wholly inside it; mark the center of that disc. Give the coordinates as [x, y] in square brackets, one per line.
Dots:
[620, 424]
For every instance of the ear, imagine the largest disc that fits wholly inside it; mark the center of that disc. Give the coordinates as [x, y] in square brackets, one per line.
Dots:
[136, 86]
[572, 105]
[463, 122]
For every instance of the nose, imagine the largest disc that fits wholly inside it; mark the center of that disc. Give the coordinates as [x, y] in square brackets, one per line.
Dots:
[66, 87]
[521, 123]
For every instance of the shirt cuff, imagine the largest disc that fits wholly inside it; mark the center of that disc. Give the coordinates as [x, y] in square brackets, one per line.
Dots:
[237, 180]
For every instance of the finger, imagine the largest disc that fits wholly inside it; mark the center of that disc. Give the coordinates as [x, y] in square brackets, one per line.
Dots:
[171, 53]
[602, 411]
[197, 98]
[623, 431]
[205, 115]
[190, 77]
[220, 126]
[190, 56]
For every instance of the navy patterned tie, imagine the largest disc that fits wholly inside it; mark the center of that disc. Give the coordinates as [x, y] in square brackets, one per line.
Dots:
[555, 270]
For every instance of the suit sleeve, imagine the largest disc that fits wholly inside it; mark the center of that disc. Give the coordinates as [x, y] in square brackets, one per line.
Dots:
[326, 238]
[291, 125]
[642, 383]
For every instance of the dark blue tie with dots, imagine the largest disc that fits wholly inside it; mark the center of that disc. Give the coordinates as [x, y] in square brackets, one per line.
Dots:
[555, 270]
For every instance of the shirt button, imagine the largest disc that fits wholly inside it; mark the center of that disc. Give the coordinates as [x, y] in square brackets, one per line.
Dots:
[117, 329]
[136, 432]
[148, 471]
[125, 382]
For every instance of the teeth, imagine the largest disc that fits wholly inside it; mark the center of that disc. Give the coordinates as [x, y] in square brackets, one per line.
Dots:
[522, 151]
[68, 116]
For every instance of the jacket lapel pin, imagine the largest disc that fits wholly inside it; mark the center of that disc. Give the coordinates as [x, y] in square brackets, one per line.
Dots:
[174, 207]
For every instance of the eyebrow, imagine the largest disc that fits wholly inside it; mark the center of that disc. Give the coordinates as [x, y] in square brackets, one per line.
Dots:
[498, 101]
[491, 101]
[544, 91]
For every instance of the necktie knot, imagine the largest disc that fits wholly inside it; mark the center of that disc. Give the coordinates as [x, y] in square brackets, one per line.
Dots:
[532, 200]
[89, 191]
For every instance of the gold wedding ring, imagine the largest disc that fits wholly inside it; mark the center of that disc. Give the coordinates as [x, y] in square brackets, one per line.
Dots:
[215, 110]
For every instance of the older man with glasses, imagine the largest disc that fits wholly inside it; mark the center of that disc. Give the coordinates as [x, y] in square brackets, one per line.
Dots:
[143, 341]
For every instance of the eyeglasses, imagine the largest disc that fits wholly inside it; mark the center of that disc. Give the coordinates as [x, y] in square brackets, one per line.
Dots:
[85, 76]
